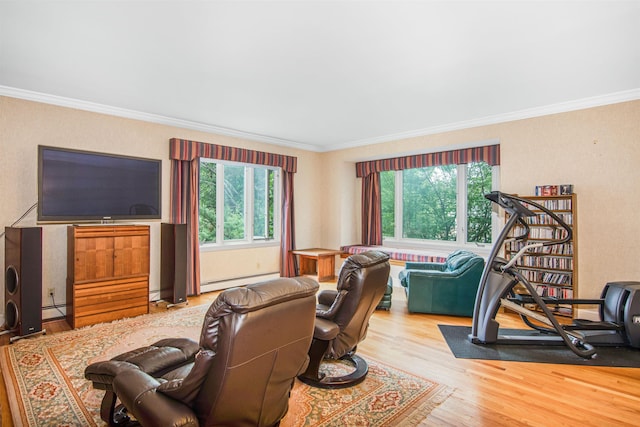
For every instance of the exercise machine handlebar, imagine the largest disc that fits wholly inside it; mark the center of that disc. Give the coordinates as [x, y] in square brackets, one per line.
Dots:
[514, 206]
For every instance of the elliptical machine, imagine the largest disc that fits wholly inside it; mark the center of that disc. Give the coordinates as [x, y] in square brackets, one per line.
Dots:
[619, 303]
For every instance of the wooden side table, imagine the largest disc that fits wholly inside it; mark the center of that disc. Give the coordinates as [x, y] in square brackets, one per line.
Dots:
[318, 261]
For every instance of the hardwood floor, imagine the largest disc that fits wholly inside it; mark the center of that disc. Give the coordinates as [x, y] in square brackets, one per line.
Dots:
[486, 393]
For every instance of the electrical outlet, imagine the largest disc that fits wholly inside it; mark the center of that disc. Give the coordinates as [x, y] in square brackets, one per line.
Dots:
[51, 292]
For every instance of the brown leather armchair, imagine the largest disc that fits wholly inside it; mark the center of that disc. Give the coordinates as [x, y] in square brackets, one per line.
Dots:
[342, 318]
[253, 344]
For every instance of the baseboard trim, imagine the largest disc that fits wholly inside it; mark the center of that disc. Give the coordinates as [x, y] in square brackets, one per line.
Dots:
[218, 285]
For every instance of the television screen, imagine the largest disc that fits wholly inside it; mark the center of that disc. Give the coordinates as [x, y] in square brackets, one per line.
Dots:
[78, 185]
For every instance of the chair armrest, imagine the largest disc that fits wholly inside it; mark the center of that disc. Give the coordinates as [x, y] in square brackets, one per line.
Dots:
[432, 273]
[437, 266]
[329, 312]
[186, 389]
[155, 359]
[327, 296]
[325, 330]
[137, 392]
[418, 266]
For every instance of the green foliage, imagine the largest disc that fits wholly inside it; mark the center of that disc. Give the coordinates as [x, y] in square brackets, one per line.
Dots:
[429, 207]
[233, 202]
[478, 207]
[429, 210]
[387, 197]
[264, 201]
[207, 206]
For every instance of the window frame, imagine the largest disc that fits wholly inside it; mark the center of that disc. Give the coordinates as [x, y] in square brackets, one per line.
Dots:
[461, 218]
[249, 240]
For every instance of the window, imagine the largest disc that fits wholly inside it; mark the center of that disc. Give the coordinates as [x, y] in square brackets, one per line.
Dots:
[246, 196]
[438, 204]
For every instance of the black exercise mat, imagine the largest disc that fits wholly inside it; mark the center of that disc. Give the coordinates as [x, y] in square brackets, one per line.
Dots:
[457, 337]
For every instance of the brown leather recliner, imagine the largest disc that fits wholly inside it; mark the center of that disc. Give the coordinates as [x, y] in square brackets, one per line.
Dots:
[342, 318]
[253, 344]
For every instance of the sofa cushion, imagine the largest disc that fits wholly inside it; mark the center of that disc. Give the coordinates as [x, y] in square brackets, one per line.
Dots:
[459, 261]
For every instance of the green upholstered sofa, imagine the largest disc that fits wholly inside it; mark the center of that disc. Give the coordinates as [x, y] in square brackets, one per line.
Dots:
[443, 288]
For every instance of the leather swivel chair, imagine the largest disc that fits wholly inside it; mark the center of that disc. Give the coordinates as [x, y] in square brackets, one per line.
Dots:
[342, 318]
[254, 342]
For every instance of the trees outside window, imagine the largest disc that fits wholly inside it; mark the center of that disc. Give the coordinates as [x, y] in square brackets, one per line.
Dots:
[429, 203]
[234, 202]
[264, 203]
[479, 183]
[208, 197]
[438, 203]
[245, 195]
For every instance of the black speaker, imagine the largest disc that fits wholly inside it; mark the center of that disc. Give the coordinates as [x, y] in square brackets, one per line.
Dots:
[23, 279]
[173, 263]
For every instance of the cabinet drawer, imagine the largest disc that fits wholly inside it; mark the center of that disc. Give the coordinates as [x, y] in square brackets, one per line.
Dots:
[109, 300]
[112, 291]
[108, 316]
[87, 231]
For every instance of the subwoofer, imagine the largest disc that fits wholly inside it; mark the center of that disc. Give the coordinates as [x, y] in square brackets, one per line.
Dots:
[173, 263]
[23, 279]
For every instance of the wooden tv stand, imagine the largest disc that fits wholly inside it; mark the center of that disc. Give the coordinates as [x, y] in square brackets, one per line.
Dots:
[107, 273]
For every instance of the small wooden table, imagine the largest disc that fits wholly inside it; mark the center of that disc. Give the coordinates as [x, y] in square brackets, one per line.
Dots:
[322, 259]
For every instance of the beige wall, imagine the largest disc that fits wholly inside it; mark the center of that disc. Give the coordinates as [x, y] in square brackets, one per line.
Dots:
[597, 150]
[24, 125]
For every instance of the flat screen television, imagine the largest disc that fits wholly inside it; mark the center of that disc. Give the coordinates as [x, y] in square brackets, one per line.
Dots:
[76, 185]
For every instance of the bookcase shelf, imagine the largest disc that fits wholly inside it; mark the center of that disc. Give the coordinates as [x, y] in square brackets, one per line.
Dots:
[552, 270]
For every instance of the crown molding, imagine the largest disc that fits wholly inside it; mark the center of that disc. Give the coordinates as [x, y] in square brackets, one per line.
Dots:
[147, 117]
[562, 107]
[580, 104]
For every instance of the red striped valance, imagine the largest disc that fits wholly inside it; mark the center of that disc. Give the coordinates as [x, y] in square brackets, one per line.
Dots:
[489, 154]
[182, 149]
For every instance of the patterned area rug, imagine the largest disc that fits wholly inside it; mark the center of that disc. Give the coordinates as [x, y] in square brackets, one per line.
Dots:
[45, 383]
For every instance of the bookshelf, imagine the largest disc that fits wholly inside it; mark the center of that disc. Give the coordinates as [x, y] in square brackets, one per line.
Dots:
[551, 270]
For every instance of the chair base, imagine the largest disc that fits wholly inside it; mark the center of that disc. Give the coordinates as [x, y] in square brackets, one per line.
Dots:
[354, 378]
[115, 416]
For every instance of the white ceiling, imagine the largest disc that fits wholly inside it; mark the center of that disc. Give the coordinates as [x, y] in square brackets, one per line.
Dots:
[321, 75]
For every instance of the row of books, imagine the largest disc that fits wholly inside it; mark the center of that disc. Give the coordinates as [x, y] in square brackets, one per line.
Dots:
[553, 204]
[564, 249]
[562, 263]
[544, 219]
[547, 233]
[553, 190]
[550, 291]
[560, 279]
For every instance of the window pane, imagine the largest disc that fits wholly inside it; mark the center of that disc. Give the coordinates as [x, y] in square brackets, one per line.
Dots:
[233, 202]
[271, 203]
[429, 203]
[387, 199]
[263, 181]
[478, 207]
[207, 232]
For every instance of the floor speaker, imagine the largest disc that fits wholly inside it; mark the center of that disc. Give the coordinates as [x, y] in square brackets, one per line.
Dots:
[173, 266]
[23, 279]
